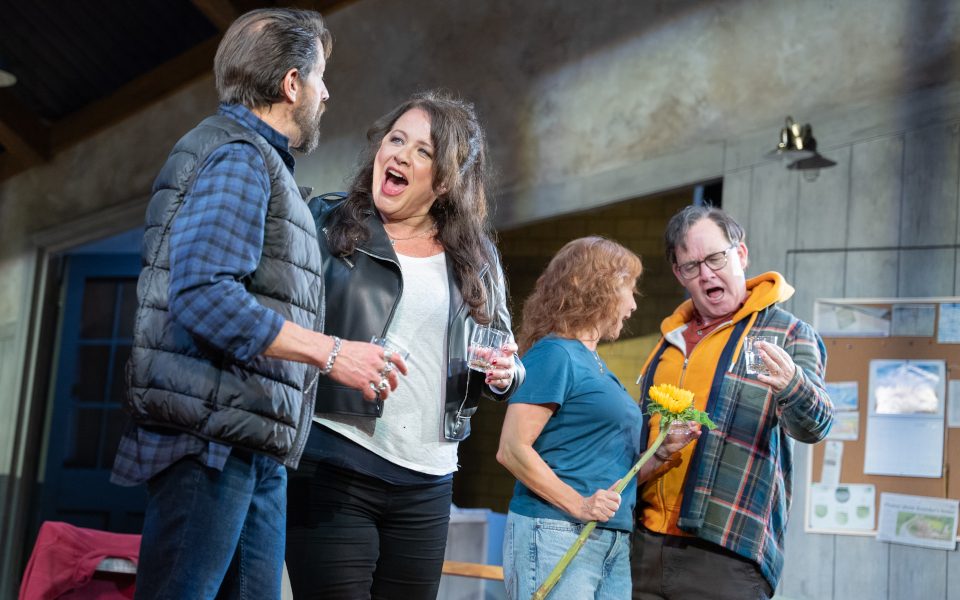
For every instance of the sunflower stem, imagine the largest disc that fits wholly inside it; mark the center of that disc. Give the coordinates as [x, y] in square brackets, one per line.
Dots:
[572, 551]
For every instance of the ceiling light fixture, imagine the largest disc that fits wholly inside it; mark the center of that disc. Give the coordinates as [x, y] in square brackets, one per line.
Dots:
[6, 77]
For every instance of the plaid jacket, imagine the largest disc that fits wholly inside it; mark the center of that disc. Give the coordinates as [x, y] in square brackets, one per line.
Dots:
[738, 490]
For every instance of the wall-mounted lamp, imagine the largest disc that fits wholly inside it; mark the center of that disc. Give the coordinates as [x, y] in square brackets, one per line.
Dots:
[798, 147]
[6, 77]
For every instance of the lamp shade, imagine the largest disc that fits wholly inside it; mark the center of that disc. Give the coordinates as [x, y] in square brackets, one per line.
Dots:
[6, 77]
[816, 161]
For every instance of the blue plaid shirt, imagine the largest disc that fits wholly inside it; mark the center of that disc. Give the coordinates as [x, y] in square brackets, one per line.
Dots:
[215, 242]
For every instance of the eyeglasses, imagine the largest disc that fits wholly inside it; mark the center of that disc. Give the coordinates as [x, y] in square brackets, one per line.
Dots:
[715, 262]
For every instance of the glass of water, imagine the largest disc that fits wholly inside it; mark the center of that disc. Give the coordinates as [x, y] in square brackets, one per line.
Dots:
[486, 344]
[755, 365]
[391, 346]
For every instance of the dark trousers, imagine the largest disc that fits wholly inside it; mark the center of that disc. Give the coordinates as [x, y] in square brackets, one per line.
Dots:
[353, 537]
[666, 567]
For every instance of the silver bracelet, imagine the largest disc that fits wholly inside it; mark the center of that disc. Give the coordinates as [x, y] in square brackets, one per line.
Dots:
[332, 357]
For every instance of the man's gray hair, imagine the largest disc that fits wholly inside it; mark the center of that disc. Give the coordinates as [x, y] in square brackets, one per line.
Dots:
[681, 223]
[261, 46]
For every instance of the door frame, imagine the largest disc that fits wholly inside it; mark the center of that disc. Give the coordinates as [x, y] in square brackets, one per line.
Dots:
[58, 479]
[37, 335]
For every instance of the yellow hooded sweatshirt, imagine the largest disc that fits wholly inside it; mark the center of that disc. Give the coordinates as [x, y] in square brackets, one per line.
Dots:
[661, 497]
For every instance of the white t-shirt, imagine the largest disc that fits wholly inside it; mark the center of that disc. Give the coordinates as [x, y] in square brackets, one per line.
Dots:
[410, 432]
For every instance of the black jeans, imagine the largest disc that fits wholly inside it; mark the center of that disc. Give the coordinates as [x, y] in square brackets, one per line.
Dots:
[680, 568]
[352, 537]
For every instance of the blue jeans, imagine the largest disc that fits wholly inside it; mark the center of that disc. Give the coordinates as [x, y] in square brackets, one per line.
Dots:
[212, 534]
[532, 547]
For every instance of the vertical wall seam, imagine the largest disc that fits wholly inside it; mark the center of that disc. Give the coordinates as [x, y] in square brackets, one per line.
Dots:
[846, 240]
[903, 175]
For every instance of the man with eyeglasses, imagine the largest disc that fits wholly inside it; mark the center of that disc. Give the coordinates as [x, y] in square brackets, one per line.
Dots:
[711, 522]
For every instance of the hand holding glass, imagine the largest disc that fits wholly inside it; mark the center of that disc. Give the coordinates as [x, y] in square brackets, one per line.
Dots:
[486, 344]
[755, 364]
[389, 346]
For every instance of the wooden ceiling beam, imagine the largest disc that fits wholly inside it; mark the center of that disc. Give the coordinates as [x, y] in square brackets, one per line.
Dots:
[135, 96]
[28, 141]
[323, 7]
[219, 12]
[22, 133]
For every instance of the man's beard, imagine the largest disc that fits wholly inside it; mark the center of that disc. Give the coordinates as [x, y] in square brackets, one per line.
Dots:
[309, 126]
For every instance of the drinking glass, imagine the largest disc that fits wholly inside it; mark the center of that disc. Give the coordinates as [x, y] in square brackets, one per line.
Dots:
[391, 346]
[755, 365]
[486, 344]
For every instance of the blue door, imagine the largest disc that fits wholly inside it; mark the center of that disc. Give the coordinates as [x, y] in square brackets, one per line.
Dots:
[99, 301]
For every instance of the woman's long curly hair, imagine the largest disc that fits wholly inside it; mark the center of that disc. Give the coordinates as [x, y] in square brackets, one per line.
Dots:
[459, 167]
[578, 291]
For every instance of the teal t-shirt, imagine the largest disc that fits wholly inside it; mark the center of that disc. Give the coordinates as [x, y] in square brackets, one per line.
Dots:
[592, 439]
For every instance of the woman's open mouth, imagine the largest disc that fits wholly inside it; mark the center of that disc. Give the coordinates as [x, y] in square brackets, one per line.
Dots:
[393, 182]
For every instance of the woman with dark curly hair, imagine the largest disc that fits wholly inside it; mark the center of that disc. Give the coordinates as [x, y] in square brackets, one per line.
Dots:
[407, 257]
[572, 430]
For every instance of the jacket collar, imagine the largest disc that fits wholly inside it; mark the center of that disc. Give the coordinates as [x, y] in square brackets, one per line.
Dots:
[244, 116]
[378, 244]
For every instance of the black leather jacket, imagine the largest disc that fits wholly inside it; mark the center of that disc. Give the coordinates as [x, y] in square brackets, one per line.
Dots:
[362, 291]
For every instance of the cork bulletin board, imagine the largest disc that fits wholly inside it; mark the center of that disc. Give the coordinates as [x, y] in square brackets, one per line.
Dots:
[850, 350]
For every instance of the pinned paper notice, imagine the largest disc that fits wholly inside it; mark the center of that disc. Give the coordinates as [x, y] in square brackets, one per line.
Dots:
[832, 461]
[848, 507]
[918, 521]
[953, 403]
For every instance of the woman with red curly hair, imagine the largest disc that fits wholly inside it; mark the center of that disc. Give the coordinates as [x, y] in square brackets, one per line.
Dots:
[572, 430]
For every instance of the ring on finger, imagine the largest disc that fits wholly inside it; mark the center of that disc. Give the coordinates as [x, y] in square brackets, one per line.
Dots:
[383, 385]
[387, 353]
[387, 368]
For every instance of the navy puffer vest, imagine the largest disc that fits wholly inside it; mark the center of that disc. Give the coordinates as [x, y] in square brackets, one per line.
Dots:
[177, 381]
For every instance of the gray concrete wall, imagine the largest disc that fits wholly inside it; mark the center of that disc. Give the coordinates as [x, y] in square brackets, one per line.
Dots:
[588, 103]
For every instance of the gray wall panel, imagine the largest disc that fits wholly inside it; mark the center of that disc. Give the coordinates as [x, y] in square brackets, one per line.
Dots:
[861, 567]
[736, 194]
[871, 274]
[953, 575]
[929, 213]
[927, 272]
[805, 553]
[815, 275]
[956, 274]
[773, 210]
[917, 573]
[875, 193]
[823, 206]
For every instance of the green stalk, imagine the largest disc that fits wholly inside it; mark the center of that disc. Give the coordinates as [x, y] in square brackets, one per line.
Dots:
[572, 551]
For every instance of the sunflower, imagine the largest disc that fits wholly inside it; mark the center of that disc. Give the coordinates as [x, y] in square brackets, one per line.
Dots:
[672, 398]
[674, 403]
